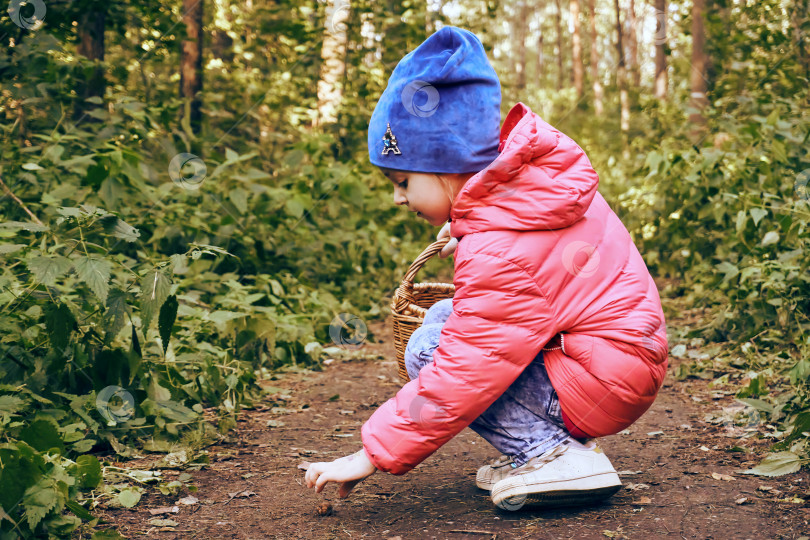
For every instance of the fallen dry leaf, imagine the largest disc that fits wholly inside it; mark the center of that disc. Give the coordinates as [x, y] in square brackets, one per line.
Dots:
[164, 510]
[634, 487]
[742, 500]
[304, 465]
[242, 494]
[643, 500]
[718, 476]
[191, 499]
[163, 522]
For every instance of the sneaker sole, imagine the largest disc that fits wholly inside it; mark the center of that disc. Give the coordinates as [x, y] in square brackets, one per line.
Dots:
[485, 487]
[558, 494]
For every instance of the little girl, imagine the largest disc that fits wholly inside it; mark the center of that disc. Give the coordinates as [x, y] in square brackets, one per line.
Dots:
[555, 334]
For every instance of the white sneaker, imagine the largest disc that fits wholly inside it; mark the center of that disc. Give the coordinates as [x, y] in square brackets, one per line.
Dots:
[569, 474]
[489, 475]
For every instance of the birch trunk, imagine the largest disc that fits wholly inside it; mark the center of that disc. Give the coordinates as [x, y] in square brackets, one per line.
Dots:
[661, 77]
[333, 62]
[632, 44]
[576, 50]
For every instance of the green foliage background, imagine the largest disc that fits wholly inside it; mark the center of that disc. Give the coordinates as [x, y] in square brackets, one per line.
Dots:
[186, 293]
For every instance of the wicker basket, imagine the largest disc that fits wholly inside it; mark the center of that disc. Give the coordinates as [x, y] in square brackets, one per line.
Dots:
[411, 302]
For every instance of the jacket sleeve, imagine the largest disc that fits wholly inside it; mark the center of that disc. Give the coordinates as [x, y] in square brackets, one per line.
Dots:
[487, 341]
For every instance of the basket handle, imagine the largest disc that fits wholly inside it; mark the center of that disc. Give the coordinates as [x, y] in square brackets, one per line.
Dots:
[423, 257]
[406, 286]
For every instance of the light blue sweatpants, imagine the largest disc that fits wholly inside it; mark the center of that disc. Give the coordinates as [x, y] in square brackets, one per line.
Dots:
[525, 421]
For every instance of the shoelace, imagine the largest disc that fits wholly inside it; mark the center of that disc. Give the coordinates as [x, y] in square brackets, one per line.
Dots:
[538, 461]
[503, 461]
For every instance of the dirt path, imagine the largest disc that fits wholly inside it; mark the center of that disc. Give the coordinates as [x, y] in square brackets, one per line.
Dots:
[667, 459]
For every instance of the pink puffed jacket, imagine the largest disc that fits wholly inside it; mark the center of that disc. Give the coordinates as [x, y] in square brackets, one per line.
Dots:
[541, 255]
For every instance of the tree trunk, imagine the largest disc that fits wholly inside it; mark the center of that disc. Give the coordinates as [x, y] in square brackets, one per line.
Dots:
[558, 24]
[661, 77]
[541, 52]
[434, 13]
[541, 61]
[521, 22]
[576, 49]
[222, 46]
[799, 15]
[632, 44]
[598, 107]
[621, 74]
[699, 63]
[333, 62]
[191, 74]
[91, 46]
[370, 45]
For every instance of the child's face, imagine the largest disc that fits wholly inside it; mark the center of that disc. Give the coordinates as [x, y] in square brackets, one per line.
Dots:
[423, 193]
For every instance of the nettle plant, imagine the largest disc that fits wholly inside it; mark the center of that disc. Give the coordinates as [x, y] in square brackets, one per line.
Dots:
[729, 218]
[68, 299]
[82, 369]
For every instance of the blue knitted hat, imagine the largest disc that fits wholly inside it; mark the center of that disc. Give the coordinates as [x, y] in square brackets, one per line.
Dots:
[441, 110]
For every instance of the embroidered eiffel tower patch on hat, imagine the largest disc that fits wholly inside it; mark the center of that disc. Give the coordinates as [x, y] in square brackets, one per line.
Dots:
[390, 142]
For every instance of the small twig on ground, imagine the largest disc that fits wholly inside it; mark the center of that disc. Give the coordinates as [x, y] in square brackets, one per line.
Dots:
[471, 531]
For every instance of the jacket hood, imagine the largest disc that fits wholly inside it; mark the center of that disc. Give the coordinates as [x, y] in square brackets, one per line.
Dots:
[541, 180]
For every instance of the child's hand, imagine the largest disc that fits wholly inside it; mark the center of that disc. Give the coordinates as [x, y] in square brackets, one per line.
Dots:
[448, 249]
[347, 471]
